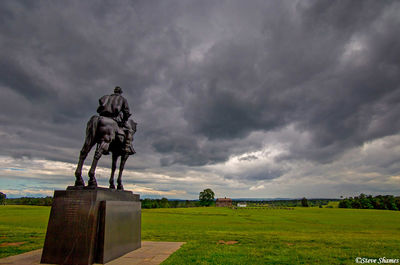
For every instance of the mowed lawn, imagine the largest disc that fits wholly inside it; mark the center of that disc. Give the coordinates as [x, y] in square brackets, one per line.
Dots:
[22, 228]
[263, 236]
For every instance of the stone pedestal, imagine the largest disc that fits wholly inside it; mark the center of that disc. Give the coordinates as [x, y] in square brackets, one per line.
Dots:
[92, 225]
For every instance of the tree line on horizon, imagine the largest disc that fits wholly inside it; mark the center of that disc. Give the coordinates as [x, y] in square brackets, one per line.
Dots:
[381, 202]
[165, 203]
[148, 203]
[206, 198]
[44, 201]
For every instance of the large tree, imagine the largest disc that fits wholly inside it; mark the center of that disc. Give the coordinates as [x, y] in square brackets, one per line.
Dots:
[206, 197]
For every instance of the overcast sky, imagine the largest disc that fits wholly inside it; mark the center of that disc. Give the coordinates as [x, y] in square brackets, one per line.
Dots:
[248, 98]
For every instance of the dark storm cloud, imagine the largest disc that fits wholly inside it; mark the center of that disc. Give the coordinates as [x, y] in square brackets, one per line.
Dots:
[201, 76]
[58, 59]
[298, 73]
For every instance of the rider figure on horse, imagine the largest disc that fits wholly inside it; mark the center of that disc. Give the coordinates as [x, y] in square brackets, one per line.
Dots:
[115, 106]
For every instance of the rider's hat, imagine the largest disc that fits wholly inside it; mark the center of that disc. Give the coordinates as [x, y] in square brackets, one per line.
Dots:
[117, 90]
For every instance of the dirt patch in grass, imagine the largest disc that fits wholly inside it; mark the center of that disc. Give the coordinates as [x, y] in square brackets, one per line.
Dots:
[222, 242]
[13, 244]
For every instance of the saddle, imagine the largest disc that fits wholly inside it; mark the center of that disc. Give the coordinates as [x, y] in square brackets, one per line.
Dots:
[121, 132]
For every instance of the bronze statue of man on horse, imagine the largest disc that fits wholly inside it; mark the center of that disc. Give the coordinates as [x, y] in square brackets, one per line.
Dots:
[112, 131]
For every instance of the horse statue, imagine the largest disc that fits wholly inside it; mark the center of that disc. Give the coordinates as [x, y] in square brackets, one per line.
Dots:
[109, 137]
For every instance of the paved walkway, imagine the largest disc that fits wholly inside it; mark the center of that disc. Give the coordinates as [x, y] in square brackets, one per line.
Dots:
[151, 253]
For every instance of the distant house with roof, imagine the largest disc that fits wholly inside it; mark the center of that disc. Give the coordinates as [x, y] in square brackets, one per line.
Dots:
[242, 204]
[223, 202]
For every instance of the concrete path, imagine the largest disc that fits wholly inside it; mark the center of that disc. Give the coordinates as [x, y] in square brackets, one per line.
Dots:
[151, 253]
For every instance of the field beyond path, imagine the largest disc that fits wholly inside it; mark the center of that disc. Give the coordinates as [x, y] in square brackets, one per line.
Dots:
[239, 236]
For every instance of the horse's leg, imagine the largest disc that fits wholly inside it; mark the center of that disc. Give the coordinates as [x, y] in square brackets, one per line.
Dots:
[99, 151]
[82, 156]
[113, 167]
[91, 129]
[121, 168]
[92, 179]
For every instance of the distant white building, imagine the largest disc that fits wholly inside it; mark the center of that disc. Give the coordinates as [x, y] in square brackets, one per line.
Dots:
[241, 204]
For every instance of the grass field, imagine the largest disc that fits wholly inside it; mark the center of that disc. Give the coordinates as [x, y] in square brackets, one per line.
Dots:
[279, 236]
[22, 228]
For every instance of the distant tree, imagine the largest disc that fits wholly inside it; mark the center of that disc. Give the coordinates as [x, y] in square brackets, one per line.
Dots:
[206, 197]
[187, 203]
[48, 201]
[356, 203]
[345, 203]
[304, 202]
[2, 198]
[378, 202]
[390, 202]
[164, 203]
[148, 203]
[397, 202]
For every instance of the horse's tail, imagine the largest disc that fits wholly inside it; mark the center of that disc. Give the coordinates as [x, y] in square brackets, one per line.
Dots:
[91, 129]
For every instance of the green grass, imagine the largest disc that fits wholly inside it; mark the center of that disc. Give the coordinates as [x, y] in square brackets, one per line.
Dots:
[300, 236]
[22, 228]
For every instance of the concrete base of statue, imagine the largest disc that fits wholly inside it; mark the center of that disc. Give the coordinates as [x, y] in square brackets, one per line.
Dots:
[89, 226]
